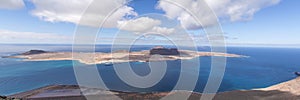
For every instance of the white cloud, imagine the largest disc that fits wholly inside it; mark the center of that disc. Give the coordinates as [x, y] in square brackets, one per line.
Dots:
[239, 10]
[11, 4]
[231, 10]
[141, 24]
[144, 25]
[72, 11]
[162, 30]
[32, 37]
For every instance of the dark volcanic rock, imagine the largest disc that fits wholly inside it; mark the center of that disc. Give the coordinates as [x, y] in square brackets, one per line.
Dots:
[297, 73]
[164, 51]
[34, 52]
[3, 97]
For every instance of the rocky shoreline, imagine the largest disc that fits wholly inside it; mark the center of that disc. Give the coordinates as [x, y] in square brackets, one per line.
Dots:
[72, 92]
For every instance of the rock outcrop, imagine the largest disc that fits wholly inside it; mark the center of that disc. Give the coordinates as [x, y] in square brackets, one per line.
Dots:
[31, 52]
[164, 51]
[3, 97]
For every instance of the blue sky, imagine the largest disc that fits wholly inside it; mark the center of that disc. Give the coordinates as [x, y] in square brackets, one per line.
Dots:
[270, 23]
[273, 25]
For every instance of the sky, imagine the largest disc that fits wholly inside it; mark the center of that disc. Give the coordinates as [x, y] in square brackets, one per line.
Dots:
[244, 22]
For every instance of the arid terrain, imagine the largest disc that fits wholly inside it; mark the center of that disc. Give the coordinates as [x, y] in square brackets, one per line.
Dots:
[285, 91]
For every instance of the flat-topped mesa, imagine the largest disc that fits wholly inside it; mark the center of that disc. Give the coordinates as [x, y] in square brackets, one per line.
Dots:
[31, 52]
[164, 51]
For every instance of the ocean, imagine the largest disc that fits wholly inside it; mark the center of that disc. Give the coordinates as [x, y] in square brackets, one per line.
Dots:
[266, 66]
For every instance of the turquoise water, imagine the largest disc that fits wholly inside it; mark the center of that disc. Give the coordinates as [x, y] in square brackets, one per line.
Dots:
[264, 67]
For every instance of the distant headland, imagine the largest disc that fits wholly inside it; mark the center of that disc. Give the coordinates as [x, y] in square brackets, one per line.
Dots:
[118, 56]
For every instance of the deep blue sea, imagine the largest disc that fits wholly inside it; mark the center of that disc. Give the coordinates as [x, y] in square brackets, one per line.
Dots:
[264, 67]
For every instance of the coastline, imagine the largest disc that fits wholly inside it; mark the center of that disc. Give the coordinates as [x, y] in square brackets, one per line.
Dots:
[285, 90]
[292, 86]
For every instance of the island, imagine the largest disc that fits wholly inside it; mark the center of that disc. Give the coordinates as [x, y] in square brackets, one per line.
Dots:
[160, 53]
